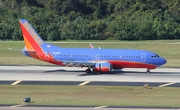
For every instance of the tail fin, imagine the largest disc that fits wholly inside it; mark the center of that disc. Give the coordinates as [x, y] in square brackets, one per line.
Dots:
[32, 40]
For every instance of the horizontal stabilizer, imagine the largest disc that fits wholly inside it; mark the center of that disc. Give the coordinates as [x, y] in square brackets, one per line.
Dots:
[14, 49]
[29, 51]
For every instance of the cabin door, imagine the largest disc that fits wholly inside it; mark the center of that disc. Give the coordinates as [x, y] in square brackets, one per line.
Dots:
[143, 57]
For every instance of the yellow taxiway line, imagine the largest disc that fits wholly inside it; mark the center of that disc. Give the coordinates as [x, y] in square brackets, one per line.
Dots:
[15, 83]
[166, 84]
[84, 83]
[18, 105]
[100, 107]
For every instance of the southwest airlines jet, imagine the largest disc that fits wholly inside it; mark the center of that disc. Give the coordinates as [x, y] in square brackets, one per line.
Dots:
[96, 60]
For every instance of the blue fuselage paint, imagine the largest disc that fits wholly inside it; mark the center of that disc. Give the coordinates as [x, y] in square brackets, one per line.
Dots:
[105, 55]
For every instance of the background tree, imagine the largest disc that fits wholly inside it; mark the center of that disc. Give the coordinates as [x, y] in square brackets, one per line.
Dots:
[92, 19]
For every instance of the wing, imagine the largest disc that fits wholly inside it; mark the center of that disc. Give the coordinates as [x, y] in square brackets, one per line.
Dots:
[74, 63]
[78, 63]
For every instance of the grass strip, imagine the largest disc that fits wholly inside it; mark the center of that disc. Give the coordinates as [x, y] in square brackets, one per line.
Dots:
[91, 95]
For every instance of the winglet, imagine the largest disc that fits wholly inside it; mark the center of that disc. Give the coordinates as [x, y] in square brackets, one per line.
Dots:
[91, 46]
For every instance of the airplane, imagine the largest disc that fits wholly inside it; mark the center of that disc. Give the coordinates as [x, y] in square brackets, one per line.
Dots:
[95, 60]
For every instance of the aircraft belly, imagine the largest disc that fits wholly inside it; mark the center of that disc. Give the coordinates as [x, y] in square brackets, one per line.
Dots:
[128, 64]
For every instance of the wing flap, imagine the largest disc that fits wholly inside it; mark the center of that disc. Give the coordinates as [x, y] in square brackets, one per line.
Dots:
[72, 63]
[77, 63]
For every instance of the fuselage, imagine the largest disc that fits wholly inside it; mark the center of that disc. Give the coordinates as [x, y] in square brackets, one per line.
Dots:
[119, 58]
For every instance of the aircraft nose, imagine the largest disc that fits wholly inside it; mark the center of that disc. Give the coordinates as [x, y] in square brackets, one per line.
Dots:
[162, 61]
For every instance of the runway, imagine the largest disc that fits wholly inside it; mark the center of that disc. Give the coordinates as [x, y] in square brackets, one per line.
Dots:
[55, 75]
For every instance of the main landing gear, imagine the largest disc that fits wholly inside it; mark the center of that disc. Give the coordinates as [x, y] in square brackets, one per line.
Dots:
[148, 71]
[88, 71]
[91, 71]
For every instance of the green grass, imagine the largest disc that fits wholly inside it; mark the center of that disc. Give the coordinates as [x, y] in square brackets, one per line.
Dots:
[169, 49]
[90, 95]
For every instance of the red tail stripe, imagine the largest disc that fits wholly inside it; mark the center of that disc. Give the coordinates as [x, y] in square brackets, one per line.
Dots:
[30, 39]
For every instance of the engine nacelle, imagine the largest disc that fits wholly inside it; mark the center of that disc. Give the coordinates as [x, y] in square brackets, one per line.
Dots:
[102, 67]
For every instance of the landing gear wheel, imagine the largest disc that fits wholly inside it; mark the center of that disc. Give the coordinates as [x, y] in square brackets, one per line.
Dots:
[88, 71]
[148, 71]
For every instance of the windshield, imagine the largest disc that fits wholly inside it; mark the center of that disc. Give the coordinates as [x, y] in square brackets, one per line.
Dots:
[155, 56]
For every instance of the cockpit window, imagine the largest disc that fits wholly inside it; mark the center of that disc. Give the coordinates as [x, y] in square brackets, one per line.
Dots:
[155, 56]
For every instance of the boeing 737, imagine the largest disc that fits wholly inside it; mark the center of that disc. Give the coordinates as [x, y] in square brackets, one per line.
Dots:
[95, 60]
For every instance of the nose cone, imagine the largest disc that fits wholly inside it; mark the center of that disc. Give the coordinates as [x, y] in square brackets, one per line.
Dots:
[161, 61]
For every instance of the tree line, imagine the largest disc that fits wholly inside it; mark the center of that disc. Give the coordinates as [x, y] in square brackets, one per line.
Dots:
[92, 19]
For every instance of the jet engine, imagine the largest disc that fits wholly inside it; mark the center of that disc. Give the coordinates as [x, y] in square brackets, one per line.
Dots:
[102, 67]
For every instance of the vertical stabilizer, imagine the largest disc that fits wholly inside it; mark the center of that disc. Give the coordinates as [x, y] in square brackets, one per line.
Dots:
[31, 38]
